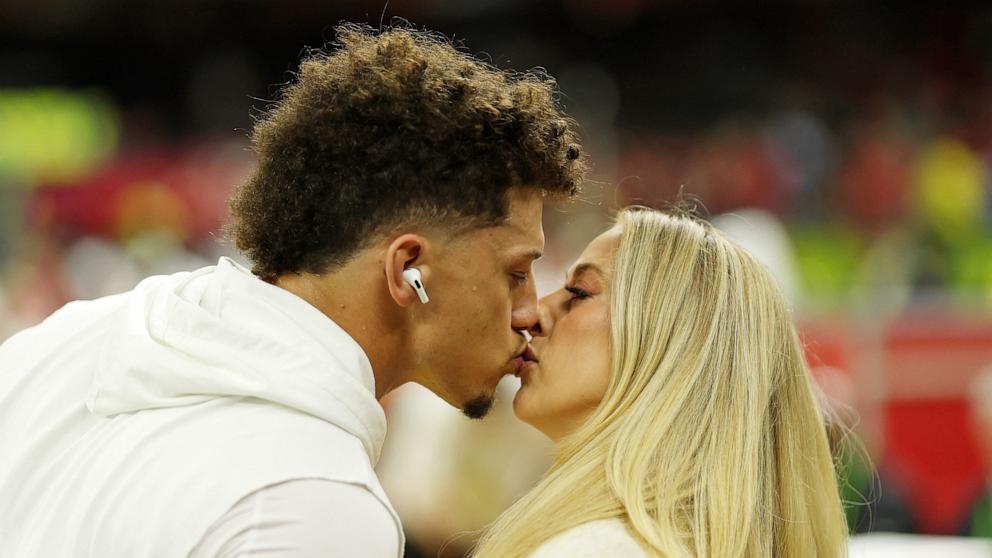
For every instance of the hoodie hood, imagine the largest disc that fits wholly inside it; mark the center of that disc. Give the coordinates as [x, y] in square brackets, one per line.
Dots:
[220, 331]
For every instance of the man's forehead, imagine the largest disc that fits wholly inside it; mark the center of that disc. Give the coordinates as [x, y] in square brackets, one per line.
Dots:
[523, 230]
[517, 242]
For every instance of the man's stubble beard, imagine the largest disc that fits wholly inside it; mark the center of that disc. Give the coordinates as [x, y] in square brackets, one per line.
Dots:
[479, 407]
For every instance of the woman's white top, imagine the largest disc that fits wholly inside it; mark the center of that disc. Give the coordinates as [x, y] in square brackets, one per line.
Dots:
[595, 539]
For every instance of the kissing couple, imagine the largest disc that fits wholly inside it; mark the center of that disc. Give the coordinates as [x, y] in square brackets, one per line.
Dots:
[391, 223]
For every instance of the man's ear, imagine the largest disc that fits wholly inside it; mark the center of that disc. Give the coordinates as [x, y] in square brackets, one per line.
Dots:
[405, 251]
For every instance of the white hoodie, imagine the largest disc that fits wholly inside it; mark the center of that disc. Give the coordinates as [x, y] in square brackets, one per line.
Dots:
[130, 424]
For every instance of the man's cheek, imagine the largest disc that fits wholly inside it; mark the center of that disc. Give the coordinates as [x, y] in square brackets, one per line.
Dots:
[485, 327]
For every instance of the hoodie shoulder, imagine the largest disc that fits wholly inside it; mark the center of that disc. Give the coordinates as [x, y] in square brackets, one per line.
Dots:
[72, 322]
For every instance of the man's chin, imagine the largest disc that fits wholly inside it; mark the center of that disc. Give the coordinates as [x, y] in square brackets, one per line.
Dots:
[478, 407]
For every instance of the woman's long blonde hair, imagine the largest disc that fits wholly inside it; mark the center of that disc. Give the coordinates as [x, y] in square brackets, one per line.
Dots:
[709, 440]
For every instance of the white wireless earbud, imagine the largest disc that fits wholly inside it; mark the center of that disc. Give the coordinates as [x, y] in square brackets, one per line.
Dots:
[412, 277]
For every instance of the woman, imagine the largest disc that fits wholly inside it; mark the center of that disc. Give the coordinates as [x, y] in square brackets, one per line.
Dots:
[672, 381]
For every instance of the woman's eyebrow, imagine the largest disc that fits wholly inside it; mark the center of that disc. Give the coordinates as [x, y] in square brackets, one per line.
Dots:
[582, 268]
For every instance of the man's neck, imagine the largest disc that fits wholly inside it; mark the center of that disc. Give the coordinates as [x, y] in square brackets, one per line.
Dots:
[351, 303]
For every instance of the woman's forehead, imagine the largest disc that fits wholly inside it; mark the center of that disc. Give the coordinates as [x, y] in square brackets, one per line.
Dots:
[598, 255]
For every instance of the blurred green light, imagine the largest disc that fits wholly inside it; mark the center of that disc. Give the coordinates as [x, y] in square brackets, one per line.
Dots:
[51, 134]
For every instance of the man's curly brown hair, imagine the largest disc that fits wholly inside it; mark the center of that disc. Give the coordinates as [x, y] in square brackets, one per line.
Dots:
[395, 127]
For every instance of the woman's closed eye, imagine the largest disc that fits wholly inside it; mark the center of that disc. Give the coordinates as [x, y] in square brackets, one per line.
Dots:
[577, 294]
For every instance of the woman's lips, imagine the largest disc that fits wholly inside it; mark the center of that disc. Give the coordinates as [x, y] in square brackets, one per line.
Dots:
[527, 358]
[525, 370]
[529, 354]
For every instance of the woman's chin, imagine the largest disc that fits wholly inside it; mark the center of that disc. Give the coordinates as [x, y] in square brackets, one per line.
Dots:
[518, 406]
[528, 404]
[522, 404]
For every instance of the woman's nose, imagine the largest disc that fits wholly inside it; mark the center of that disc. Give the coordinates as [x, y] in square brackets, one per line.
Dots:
[545, 319]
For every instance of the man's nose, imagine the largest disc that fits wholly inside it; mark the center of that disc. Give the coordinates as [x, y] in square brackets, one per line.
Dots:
[525, 316]
[525, 311]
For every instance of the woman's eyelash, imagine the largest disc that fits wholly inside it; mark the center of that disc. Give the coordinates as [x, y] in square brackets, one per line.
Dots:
[577, 293]
[519, 278]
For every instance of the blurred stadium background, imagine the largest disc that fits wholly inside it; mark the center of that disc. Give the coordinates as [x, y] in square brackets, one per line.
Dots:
[848, 144]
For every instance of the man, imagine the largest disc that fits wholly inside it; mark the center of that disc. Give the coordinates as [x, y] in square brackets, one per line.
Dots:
[232, 413]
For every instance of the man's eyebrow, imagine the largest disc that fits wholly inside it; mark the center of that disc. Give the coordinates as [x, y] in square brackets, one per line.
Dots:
[582, 268]
[530, 255]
